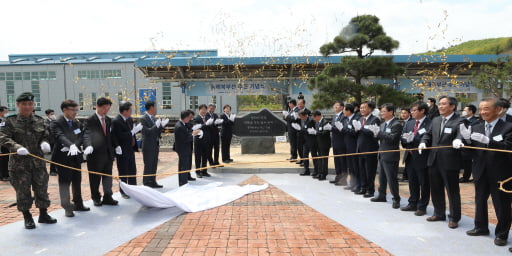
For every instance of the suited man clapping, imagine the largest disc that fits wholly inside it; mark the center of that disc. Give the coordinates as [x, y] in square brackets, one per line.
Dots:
[183, 139]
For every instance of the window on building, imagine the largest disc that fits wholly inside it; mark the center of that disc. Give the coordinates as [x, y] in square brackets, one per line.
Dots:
[43, 75]
[2, 76]
[11, 97]
[81, 100]
[93, 100]
[26, 76]
[98, 74]
[194, 102]
[34, 75]
[9, 76]
[166, 96]
[17, 76]
[52, 75]
[36, 90]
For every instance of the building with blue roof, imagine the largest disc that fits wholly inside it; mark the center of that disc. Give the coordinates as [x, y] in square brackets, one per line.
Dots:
[183, 79]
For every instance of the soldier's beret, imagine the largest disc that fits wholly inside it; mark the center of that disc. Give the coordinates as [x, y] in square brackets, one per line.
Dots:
[26, 96]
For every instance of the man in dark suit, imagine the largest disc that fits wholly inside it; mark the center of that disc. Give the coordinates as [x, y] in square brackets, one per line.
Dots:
[338, 145]
[311, 145]
[350, 141]
[4, 160]
[490, 167]
[444, 164]
[67, 133]
[419, 186]
[226, 133]
[469, 119]
[151, 130]
[366, 142]
[213, 135]
[201, 143]
[433, 109]
[389, 134]
[323, 139]
[405, 116]
[183, 139]
[301, 105]
[505, 105]
[124, 132]
[291, 116]
[99, 147]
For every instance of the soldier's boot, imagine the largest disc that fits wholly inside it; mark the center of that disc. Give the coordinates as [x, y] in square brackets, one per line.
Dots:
[29, 221]
[45, 218]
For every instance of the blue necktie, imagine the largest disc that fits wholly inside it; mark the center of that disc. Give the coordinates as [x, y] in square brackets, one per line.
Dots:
[70, 124]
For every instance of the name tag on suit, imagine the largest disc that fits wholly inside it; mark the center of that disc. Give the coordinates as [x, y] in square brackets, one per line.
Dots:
[77, 131]
[349, 126]
[2, 124]
[448, 130]
[498, 138]
[422, 131]
[388, 130]
[366, 126]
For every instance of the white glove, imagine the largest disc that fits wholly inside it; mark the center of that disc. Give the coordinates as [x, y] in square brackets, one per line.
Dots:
[338, 125]
[328, 127]
[457, 143]
[119, 151]
[200, 134]
[45, 147]
[196, 127]
[421, 146]
[296, 126]
[295, 115]
[73, 150]
[136, 129]
[209, 121]
[375, 129]
[88, 150]
[165, 122]
[465, 132]
[64, 149]
[285, 113]
[158, 122]
[409, 136]
[312, 131]
[22, 151]
[232, 117]
[219, 121]
[357, 125]
[480, 138]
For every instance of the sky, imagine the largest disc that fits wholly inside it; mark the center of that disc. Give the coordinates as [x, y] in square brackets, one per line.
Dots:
[239, 27]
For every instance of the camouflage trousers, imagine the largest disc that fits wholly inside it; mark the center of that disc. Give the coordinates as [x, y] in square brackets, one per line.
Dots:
[26, 177]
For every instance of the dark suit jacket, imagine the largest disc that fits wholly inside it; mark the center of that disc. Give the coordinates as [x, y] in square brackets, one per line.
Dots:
[495, 163]
[323, 137]
[227, 126]
[183, 139]
[310, 139]
[103, 145]
[203, 141]
[389, 137]
[212, 129]
[150, 134]
[366, 141]
[449, 157]
[349, 135]
[289, 120]
[417, 161]
[65, 136]
[337, 135]
[122, 131]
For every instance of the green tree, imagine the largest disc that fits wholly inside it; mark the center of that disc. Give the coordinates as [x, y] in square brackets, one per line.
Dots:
[363, 36]
[495, 78]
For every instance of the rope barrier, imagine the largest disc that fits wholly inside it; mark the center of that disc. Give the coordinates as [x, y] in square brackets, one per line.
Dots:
[117, 177]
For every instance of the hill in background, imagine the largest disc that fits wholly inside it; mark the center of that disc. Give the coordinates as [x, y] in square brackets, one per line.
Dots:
[502, 45]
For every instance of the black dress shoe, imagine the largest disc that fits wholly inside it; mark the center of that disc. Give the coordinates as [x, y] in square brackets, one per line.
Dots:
[360, 192]
[409, 208]
[47, 219]
[191, 179]
[341, 182]
[500, 241]
[205, 174]
[355, 190]
[305, 174]
[199, 175]
[81, 208]
[125, 196]
[53, 173]
[154, 185]
[109, 201]
[463, 180]
[436, 218]
[301, 164]
[97, 202]
[368, 195]
[69, 213]
[420, 212]
[378, 199]
[336, 179]
[291, 159]
[298, 162]
[477, 232]
[322, 177]
[29, 223]
[396, 204]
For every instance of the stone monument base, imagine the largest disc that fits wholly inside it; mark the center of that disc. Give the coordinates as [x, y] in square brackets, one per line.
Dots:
[258, 145]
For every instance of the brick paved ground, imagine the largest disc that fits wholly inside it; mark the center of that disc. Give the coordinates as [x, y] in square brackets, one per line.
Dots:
[269, 220]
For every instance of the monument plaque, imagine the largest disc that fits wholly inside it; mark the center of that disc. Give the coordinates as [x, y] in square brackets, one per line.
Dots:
[257, 131]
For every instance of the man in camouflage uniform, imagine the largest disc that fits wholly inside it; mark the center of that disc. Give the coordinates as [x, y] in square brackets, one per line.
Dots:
[26, 133]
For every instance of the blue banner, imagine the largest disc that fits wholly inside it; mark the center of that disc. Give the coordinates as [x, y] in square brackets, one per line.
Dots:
[146, 95]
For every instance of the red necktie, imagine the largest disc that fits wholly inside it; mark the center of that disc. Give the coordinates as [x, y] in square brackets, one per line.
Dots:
[364, 121]
[104, 126]
[416, 127]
